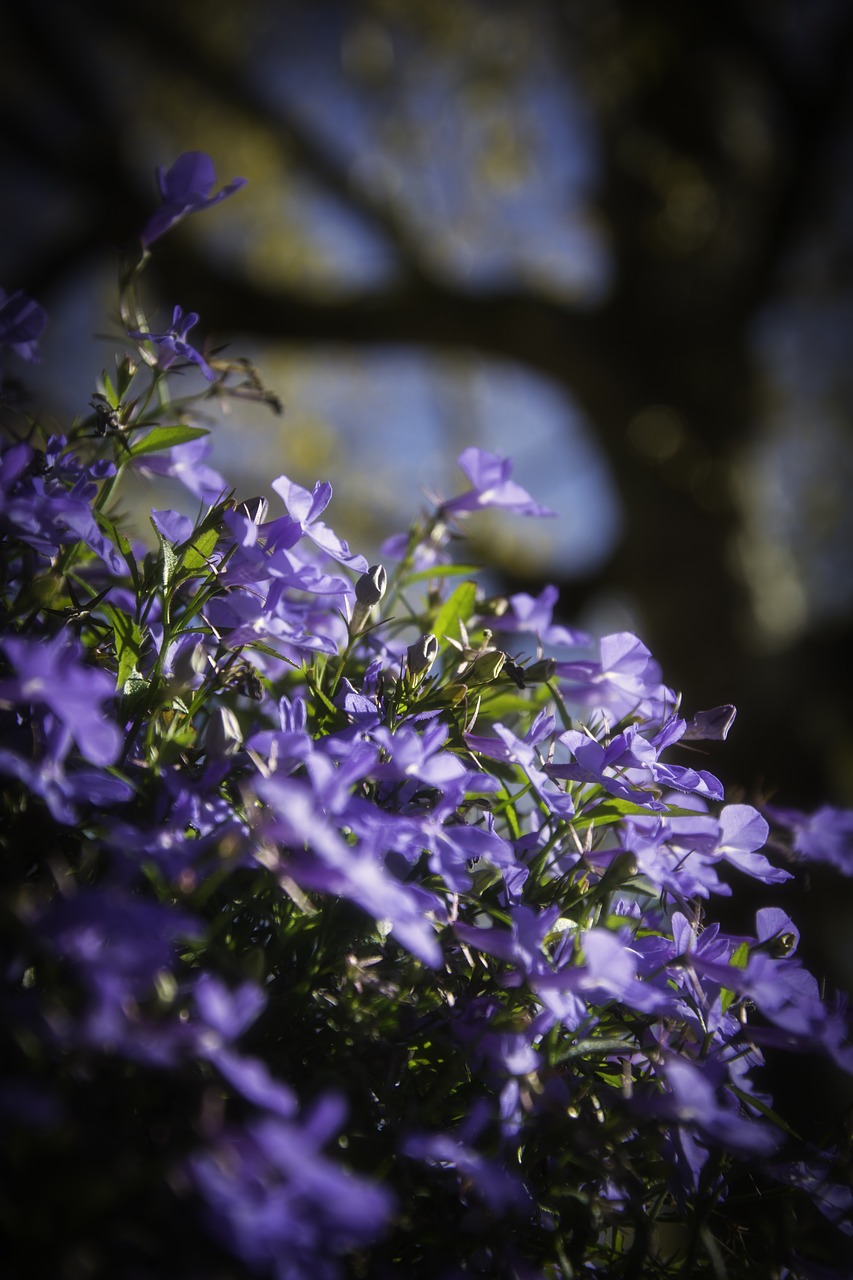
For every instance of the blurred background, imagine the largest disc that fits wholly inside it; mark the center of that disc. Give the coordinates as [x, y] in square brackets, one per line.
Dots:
[611, 238]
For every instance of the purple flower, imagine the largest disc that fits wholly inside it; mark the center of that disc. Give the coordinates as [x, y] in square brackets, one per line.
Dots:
[522, 752]
[22, 323]
[227, 1012]
[693, 1100]
[59, 789]
[50, 674]
[624, 766]
[710, 726]
[304, 508]
[47, 501]
[522, 944]
[185, 188]
[823, 836]
[172, 345]
[625, 680]
[282, 1206]
[319, 858]
[117, 943]
[742, 832]
[186, 463]
[451, 845]
[534, 614]
[610, 970]
[414, 755]
[495, 1185]
[491, 487]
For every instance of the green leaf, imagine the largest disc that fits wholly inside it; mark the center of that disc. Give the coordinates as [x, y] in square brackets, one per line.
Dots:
[752, 1100]
[114, 533]
[613, 810]
[498, 703]
[109, 391]
[128, 643]
[738, 961]
[594, 1046]
[160, 438]
[457, 608]
[170, 562]
[136, 690]
[441, 571]
[270, 652]
[198, 552]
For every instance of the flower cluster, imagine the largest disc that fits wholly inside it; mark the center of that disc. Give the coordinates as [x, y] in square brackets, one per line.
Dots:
[357, 922]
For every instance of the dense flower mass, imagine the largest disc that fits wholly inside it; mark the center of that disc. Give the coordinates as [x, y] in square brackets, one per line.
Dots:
[357, 922]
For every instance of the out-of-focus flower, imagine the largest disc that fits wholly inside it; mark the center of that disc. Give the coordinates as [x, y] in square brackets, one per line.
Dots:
[185, 188]
[823, 836]
[172, 344]
[61, 790]
[50, 673]
[282, 1206]
[489, 474]
[22, 323]
[186, 463]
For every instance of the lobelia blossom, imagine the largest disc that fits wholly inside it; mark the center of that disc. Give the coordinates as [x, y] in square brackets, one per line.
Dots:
[282, 1206]
[318, 857]
[224, 1016]
[172, 344]
[489, 475]
[117, 944]
[22, 322]
[505, 745]
[62, 789]
[534, 614]
[303, 509]
[624, 680]
[823, 836]
[489, 1179]
[696, 1098]
[50, 673]
[46, 499]
[628, 767]
[185, 188]
[187, 463]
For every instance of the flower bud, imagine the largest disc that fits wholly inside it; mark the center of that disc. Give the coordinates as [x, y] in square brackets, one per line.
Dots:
[485, 667]
[370, 587]
[541, 671]
[369, 590]
[421, 655]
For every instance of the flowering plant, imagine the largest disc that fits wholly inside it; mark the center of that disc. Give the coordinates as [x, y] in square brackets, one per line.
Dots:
[357, 922]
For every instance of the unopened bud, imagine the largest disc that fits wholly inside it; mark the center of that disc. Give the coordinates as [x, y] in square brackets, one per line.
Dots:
[369, 590]
[485, 667]
[421, 655]
[539, 672]
[370, 587]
